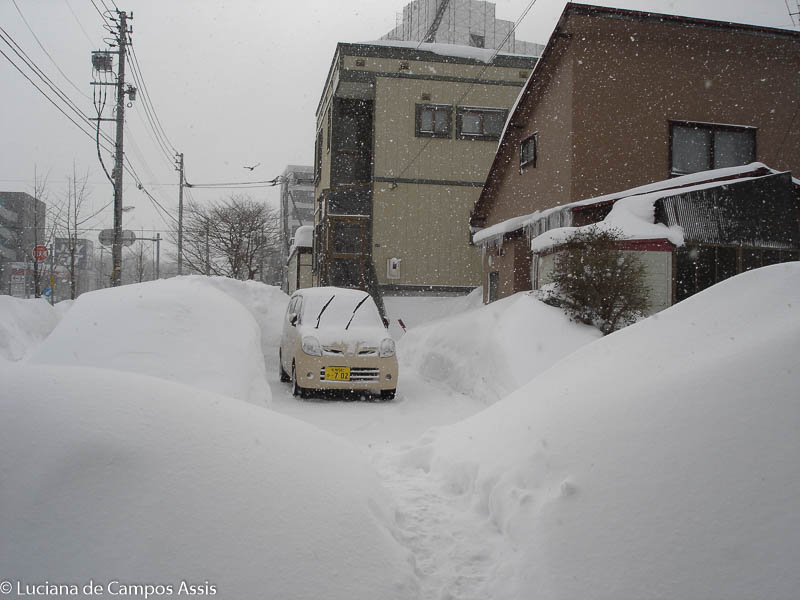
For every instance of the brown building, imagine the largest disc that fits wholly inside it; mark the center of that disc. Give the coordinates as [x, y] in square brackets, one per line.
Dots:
[622, 98]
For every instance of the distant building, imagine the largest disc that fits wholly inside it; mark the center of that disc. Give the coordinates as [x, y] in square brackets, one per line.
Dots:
[405, 136]
[297, 205]
[299, 264]
[464, 23]
[22, 226]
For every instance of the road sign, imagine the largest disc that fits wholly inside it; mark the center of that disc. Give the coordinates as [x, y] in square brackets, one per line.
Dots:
[40, 253]
[46, 293]
[106, 237]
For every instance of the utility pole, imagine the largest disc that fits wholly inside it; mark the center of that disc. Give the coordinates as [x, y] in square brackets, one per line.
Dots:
[119, 156]
[181, 181]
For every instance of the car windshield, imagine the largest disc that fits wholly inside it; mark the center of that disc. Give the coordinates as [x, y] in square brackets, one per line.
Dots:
[341, 308]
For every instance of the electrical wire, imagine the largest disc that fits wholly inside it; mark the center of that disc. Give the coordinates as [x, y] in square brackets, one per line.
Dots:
[139, 76]
[52, 60]
[472, 85]
[20, 52]
[69, 6]
[47, 97]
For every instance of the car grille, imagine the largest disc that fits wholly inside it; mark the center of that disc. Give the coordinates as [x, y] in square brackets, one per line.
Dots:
[358, 374]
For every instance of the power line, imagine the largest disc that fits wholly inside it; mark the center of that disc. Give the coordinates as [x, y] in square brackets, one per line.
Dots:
[49, 99]
[148, 98]
[52, 60]
[69, 6]
[17, 49]
[472, 85]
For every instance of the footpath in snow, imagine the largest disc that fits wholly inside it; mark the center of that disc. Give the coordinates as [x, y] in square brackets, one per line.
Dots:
[524, 456]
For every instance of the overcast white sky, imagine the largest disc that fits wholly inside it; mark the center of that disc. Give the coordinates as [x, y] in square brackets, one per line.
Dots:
[234, 83]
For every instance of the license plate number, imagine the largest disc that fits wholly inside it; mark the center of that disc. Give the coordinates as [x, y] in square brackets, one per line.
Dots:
[337, 373]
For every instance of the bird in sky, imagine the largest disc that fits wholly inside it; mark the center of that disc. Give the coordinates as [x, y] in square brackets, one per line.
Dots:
[253, 167]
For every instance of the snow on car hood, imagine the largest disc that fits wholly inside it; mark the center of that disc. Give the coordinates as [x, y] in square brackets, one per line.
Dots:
[349, 341]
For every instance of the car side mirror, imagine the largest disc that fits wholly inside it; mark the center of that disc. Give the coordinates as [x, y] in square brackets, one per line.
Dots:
[293, 319]
[386, 322]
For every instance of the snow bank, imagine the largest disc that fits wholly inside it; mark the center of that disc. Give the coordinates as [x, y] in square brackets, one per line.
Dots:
[267, 305]
[23, 325]
[416, 310]
[115, 476]
[491, 351]
[182, 329]
[659, 462]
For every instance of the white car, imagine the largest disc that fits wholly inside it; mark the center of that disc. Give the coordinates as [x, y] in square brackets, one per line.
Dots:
[334, 339]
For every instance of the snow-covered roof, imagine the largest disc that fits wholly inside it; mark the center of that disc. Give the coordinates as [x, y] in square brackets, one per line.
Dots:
[711, 178]
[303, 238]
[485, 55]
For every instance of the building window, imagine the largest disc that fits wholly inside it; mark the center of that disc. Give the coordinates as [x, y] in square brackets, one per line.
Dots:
[347, 237]
[318, 157]
[527, 151]
[328, 133]
[434, 120]
[494, 286]
[698, 147]
[480, 123]
[478, 41]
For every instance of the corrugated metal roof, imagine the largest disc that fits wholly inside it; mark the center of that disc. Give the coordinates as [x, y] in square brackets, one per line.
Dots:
[760, 212]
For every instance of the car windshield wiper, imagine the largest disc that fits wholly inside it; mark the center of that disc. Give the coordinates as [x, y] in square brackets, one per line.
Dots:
[319, 316]
[364, 299]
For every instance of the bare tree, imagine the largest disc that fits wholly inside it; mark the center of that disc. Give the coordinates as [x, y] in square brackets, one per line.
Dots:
[235, 237]
[77, 194]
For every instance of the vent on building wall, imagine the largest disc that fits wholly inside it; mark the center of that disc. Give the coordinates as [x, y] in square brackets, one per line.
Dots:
[360, 62]
[523, 74]
[393, 268]
[426, 97]
[404, 66]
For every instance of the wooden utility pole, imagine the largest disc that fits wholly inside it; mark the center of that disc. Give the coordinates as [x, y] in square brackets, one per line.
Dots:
[181, 181]
[119, 156]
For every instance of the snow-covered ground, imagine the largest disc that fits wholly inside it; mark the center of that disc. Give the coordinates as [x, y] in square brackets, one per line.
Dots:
[524, 457]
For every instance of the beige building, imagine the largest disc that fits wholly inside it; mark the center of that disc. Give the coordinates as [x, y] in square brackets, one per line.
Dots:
[405, 136]
[623, 98]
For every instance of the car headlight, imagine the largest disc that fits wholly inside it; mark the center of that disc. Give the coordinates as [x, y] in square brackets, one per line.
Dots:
[312, 346]
[386, 348]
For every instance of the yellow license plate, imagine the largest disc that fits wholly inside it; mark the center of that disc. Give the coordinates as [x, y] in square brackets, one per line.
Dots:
[337, 373]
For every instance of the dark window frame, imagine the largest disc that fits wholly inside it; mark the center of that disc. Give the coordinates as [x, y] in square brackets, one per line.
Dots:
[420, 107]
[328, 132]
[529, 162]
[711, 128]
[490, 137]
[318, 157]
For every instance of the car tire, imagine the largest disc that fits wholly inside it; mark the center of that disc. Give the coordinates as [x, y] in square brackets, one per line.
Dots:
[388, 394]
[296, 389]
[284, 376]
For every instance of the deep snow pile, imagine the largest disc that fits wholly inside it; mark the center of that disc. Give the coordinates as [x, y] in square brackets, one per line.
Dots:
[493, 350]
[116, 476]
[658, 462]
[183, 329]
[23, 325]
[267, 305]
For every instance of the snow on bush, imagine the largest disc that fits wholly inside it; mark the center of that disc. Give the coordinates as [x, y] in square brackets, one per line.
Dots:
[23, 325]
[182, 329]
[115, 476]
[491, 351]
[658, 462]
